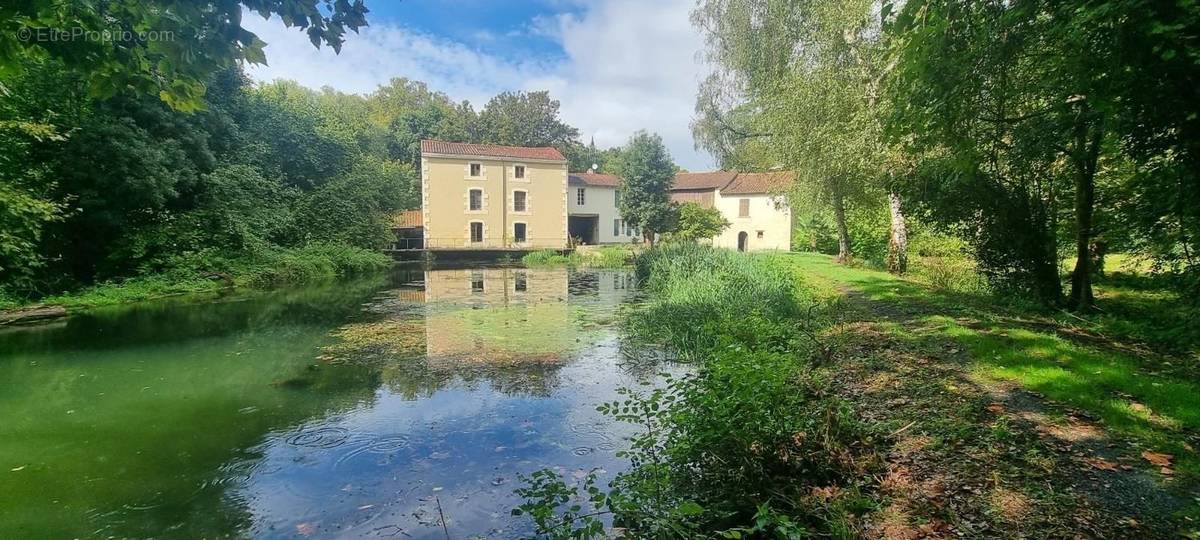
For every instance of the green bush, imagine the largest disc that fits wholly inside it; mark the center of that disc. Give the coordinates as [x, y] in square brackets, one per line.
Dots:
[209, 271]
[702, 296]
[603, 257]
[545, 257]
[8, 300]
[608, 257]
[750, 444]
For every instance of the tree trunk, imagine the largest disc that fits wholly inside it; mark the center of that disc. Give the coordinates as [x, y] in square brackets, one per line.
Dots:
[839, 214]
[897, 260]
[1087, 153]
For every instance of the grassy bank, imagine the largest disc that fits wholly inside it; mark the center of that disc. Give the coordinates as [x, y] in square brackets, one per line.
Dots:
[603, 257]
[314, 263]
[752, 442]
[835, 401]
[1110, 364]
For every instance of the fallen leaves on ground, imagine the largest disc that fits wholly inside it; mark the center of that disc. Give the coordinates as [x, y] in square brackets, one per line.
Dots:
[1101, 463]
[1157, 458]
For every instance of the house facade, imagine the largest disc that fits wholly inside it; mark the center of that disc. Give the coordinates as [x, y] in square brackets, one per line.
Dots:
[752, 202]
[593, 215]
[479, 196]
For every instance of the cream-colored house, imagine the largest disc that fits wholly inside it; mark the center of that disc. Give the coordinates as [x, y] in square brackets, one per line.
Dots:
[753, 203]
[592, 210]
[482, 196]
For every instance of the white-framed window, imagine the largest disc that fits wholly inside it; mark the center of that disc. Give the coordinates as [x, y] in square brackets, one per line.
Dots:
[520, 200]
[476, 232]
[743, 207]
[475, 169]
[580, 196]
[520, 232]
[626, 229]
[477, 281]
[616, 227]
[519, 172]
[475, 200]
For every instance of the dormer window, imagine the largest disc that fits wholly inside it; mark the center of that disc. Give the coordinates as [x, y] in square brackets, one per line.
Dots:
[476, 169]
[519, 172]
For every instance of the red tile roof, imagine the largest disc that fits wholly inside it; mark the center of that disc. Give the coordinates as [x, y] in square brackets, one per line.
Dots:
[704, 180]
[755, 183]
[491, 150]
[593, 179]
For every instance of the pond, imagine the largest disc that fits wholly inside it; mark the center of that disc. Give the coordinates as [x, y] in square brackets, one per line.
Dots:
[361, 409]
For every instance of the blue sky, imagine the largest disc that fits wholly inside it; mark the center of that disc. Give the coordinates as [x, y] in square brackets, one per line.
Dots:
[489, 24]
[616, 65]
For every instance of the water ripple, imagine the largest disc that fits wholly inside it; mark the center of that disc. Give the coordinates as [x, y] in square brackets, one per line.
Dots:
[326, 437]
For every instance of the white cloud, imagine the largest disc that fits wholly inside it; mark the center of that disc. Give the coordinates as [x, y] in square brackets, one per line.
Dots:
[628, 65]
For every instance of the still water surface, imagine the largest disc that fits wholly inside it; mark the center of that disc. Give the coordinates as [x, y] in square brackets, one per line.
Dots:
[350, 410]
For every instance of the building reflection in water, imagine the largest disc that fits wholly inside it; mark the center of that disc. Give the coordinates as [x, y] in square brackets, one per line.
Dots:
[499, 316]
[513, 327]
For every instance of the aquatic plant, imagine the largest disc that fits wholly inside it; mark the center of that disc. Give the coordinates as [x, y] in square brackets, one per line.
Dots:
[702, 297]
[602, 257]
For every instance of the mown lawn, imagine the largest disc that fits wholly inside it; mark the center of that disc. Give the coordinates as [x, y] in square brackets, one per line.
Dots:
[1135, 376]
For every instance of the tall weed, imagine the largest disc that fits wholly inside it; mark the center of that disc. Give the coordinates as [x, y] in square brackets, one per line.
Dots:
[750, 444]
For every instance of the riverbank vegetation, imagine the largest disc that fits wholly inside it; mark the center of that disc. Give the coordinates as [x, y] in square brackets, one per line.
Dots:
[752, 442]
[313, 263]
[599, 257]
[120, 191]
[828, 400]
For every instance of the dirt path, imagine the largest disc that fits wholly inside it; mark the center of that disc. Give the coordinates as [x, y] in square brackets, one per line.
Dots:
[975, 458]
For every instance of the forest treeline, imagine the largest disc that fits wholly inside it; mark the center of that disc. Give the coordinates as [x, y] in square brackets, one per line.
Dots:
[1026, 131]
[105, 188]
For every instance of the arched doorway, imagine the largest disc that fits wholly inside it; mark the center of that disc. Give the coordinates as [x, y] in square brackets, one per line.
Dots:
[743, 239]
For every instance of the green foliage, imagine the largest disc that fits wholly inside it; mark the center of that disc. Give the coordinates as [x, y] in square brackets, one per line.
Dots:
[1005, 204]
[555, 507]
[545, 257]
[260, 170]
[354, 209]
[524, 119]
[696, 222]
[113, 187]
[736, 448]
[869, 227]
[702, 296]
[210, 272]
[646, 172]
[172, 47]
[798, 86]
[22, 219]
[603, 257]
[314, 262]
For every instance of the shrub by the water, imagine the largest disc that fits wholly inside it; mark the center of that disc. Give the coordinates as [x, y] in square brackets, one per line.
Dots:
[545, 257]
[703, 296]
[207, 272]
[750, 443]
[604, 257]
